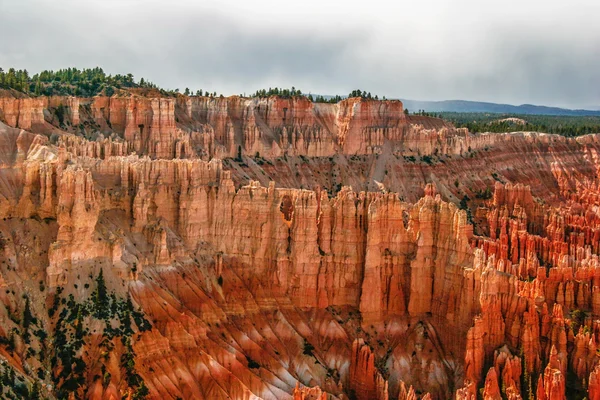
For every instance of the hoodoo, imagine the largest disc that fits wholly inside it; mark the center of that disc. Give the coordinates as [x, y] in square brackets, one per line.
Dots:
[278, 248]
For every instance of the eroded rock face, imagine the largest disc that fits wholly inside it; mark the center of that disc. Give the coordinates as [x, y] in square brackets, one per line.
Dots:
[219, 287]
[187, 127]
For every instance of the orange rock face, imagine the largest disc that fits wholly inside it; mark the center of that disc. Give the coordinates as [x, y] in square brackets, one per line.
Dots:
[188, 127]
[269, 277]
[365, 381]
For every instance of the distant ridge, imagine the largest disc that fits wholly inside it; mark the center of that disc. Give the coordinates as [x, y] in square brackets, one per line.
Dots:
[478, 106]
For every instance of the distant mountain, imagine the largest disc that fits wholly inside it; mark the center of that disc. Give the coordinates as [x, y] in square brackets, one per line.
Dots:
[478, 106]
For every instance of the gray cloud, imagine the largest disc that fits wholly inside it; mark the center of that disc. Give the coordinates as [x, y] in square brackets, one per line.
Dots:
[525, 51]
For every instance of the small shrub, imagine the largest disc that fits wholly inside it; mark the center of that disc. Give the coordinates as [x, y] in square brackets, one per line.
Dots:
[308, 349]
[252, 364]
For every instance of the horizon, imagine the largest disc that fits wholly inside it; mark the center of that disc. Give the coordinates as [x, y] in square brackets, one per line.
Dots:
[315, 200]
[531, 52]
[193, 91]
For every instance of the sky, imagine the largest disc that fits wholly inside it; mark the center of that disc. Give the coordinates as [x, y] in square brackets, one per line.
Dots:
[512, 51]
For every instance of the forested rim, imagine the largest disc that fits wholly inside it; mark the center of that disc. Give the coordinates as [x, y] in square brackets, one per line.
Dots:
[564, 125]
[89, 82]
[94, 81]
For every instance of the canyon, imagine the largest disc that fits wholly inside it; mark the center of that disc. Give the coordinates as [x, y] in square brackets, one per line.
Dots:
[272, 248]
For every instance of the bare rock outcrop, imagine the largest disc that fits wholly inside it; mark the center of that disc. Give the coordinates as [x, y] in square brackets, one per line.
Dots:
[162, 272]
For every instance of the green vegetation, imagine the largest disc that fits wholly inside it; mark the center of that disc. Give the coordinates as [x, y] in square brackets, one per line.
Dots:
[293, 92]
[252, 364]
[100, 297]
[28, 320]
[364, 95]
[482, 194]
[338, 98]
[321, 99]
[464, 205]
[381, 364]
[85, 82]
[283, 93]
[424, 113]
[308, 349]
[569, 126]
[577, 320]
[72, 330]
[69, 81]
[14, 386]
[134, 380]
[89, 82]
[528, 382]
[427, 159]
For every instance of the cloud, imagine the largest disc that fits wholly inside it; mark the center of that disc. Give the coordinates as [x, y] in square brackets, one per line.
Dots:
[525, 51]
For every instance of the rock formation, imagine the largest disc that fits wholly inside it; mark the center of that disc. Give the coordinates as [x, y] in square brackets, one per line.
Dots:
[430, 263]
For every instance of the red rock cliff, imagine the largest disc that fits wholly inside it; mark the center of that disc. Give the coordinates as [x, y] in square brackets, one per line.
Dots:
[258, 291]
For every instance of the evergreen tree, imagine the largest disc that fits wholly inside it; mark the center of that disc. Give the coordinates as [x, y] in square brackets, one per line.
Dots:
[36, 391]
[27, 317]
[101, 299]
[70, 81]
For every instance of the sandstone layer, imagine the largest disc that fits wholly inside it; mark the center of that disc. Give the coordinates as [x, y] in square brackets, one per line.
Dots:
[362, 253]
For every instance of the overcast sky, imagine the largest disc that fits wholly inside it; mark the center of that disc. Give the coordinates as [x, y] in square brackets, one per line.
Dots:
[514, 51]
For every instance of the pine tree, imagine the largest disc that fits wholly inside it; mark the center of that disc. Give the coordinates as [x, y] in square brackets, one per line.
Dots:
[38, 88]
[27, 317]
[36, 391]
[5, 378]
[101, 297]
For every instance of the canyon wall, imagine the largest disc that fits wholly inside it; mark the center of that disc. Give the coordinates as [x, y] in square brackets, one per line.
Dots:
[187, 127]
[473, 272]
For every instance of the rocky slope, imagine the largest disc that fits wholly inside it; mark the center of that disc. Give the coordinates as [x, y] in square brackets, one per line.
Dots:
[190, 127]
[337, 251]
